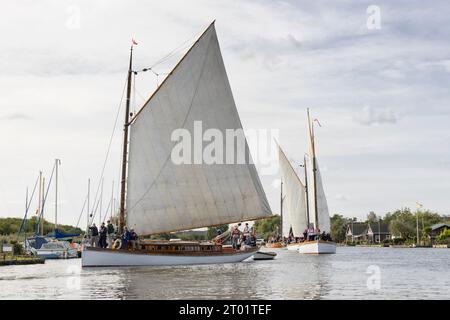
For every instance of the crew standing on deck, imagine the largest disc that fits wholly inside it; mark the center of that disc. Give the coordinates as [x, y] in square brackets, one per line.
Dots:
[235, 234]
[94, 235]
[133, 239]
[103, 233]
[126, 235]
[110, 234]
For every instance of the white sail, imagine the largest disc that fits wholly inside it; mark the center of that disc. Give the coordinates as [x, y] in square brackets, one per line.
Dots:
[322, 206]
[323, 215]
[163, 196]
[294, 202]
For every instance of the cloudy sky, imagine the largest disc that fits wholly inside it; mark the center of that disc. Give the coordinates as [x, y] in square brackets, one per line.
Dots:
[381, 94]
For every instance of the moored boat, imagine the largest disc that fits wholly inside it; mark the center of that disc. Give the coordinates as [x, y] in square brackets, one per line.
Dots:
[264, 255]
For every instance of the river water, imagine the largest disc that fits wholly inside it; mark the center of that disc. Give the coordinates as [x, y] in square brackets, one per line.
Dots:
[351, 273]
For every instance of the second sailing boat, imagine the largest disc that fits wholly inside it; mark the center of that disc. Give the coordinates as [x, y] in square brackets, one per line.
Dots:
[296, 222]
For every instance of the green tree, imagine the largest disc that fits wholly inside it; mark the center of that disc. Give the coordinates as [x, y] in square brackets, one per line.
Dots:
[444, 237]
[372, 217]
[402, 223]
[267, 227]
[339, 227]
[212, 231]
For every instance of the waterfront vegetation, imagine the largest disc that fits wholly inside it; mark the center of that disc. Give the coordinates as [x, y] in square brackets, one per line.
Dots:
[9, 228]
[266, 228]
[402, 225]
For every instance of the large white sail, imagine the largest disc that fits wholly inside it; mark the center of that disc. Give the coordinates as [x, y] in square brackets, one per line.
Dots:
[294, 202]
[163, 196]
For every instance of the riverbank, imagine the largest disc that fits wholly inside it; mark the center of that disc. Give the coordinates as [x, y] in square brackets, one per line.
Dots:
[8, 260]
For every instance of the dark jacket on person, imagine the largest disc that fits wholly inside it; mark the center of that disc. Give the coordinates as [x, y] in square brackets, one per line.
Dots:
[133, 236]
[126, 235]
[94, 231]
[103, 231]
[110, 228]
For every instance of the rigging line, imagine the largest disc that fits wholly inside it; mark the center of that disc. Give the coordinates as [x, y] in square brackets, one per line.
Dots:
[170, 54]
[106, 211]
[81, 213]
[45, 196]
[182, 126]
[94, 212]
[111, 139]
[140, 95]
[27, 207]
[186, 44]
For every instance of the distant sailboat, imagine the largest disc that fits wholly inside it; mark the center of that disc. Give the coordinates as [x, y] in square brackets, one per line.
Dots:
[296, 219]
[162, 196]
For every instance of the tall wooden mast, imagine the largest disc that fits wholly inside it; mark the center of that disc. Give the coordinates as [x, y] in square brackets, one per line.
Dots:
[314, 168]
[281, 210]
[125, 147]
[306, 192]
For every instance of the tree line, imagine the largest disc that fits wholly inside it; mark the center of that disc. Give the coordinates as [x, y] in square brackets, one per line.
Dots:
[11, 226]
[401, 223]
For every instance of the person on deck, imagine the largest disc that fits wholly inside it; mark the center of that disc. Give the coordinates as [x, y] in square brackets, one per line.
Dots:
[235, 234]
[94, 235]
[125, 238]
[246, 232]
[110, 234]
[218, 240]
[133, 239]
[103, 232]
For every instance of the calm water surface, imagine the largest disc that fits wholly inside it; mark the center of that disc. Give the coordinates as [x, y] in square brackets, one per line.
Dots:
[403, 274]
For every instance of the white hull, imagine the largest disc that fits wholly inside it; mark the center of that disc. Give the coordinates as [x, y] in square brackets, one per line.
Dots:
[317, 247]
[56, 254]
[116, 258]
[293, 247]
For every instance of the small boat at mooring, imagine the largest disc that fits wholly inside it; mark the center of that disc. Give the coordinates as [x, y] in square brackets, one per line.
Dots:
[263, 255]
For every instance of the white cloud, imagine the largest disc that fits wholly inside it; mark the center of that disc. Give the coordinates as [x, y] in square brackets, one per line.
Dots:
[281, 57]
[369, 116]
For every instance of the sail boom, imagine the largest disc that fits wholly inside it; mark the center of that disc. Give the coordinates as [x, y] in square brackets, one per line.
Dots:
[199, 227]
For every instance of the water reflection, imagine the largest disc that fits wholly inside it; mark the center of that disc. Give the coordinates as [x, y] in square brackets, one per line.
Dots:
[405, 273]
